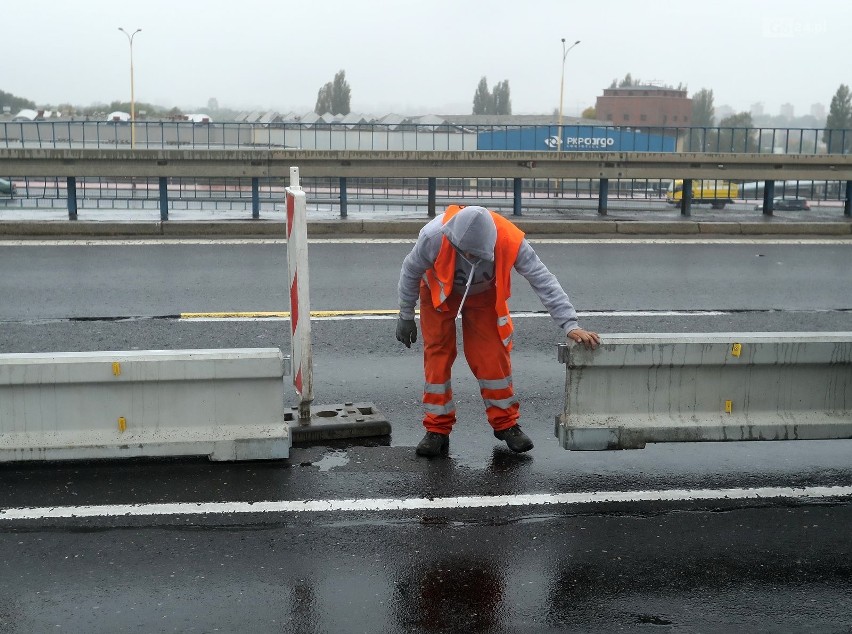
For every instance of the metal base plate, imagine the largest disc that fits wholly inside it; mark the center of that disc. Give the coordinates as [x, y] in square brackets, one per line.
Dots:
[336, 422]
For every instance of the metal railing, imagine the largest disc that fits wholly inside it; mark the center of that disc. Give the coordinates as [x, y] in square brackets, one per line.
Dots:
[79, 134]
[239, 194]
[193, 178]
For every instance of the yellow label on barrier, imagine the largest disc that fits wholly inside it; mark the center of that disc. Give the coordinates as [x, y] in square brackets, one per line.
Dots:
[729, 407]
[122, 423]
[116, 368]
[736, 349]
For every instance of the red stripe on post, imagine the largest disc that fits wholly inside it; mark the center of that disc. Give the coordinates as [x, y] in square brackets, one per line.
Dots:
[294, 302]
[291, 212]
[298, 381]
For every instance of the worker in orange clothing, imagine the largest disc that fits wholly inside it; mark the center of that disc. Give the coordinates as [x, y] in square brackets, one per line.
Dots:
[461, 266]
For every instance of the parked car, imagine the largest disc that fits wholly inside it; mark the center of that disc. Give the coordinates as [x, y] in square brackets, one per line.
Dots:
[787, 204]
[7, 187]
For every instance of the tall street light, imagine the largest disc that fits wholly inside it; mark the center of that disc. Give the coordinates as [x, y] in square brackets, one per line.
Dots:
[562, 86]
[132, 98]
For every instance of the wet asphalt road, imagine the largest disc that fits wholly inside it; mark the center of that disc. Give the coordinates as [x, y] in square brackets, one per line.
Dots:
[684, 566]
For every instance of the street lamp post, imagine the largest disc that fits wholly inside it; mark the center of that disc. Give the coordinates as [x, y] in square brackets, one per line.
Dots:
[132, 97]
[562, 87]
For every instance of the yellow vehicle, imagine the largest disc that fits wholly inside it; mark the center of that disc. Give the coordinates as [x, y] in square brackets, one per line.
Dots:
[713, 192]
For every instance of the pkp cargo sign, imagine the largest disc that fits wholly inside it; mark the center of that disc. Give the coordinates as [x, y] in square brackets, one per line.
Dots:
[574, 138]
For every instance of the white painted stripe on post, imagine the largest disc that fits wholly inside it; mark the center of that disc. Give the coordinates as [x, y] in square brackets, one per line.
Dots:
[297, 265]
[424, 504]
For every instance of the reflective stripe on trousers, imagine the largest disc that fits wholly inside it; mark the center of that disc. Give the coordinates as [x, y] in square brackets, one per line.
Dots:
[486, 355]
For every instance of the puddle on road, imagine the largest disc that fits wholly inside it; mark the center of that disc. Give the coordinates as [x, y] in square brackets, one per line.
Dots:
[331, 460]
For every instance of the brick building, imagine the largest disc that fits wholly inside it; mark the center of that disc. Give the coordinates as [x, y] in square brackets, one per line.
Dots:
[640, 106]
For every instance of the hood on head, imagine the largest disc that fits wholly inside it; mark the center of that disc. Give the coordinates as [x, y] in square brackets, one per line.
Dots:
[472, 230]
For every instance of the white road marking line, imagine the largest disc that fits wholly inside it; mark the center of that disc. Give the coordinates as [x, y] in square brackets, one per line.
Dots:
[165, 241]
[422, 504]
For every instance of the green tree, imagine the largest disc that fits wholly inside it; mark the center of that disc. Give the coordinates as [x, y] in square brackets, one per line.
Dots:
[736, 134]
[703, 116]
[323, 104]
[334, 96]
[15, 104]
[497, 101]
[502, 98]
[340, 94]
[839, 118]
[483, 100]
[627, 82]
[703, 111]
[589, 113]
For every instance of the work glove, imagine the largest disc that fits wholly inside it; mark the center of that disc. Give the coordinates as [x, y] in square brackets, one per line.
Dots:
[406, 331]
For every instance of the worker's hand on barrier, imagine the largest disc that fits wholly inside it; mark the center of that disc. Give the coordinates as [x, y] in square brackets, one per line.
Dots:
[406, 331]
[589, 339]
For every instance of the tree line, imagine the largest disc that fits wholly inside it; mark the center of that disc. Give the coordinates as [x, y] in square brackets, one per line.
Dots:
[740, 134]
[335, 97]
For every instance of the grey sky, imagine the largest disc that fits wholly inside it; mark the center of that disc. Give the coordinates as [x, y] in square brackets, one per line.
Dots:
[422, 57]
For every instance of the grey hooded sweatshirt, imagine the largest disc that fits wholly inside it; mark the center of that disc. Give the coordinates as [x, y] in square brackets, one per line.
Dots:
[473, 234]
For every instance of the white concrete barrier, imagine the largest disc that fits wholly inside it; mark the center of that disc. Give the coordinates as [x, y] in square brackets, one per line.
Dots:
[225, 404]
[641, 388]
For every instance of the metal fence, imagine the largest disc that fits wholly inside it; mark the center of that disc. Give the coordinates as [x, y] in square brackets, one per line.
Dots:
[238, 194]
[419, 137]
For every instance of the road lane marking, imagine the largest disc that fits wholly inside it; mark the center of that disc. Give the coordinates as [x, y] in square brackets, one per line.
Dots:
[844, 240]
[393, 314]
[422, 504]
[379, 314]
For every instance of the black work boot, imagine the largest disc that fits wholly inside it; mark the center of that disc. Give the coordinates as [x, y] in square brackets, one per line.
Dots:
[517, 440]
[433, 444]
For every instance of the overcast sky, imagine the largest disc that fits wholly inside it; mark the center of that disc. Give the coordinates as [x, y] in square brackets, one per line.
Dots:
[422, 57]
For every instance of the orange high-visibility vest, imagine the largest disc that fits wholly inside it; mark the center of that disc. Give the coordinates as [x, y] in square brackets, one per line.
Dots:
[440, 276]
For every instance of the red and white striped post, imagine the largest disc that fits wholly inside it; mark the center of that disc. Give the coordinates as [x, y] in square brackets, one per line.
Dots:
[300, 308]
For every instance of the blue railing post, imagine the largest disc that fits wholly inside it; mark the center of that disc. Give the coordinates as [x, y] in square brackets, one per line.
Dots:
[517, 196]
[603, 196]
[72, 198]
[768, 195]
[686, 198]
[164, 198]
[255, 198]
[847, 203]
[432, 187]
[343, 201]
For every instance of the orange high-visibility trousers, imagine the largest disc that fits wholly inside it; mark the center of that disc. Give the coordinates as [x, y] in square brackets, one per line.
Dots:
[486, 355]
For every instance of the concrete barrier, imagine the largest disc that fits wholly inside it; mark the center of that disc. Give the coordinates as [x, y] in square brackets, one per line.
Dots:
[225, 404]
[647, 388]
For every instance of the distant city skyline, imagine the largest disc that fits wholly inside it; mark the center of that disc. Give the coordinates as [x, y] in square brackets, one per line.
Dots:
[421, 59]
